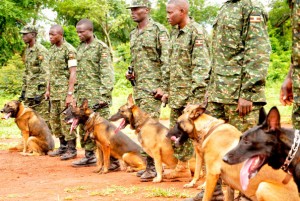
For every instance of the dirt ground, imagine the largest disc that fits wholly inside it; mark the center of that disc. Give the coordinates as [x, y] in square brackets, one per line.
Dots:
[50, 179]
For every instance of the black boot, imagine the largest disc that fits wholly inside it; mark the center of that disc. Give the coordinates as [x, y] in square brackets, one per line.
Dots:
[62, 148]
[150, 171]
[89, 160]
[71, 152]
[114, 164]
[217, 196]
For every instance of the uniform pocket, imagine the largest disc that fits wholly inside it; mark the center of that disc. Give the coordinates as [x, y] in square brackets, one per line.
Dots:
[149, 46]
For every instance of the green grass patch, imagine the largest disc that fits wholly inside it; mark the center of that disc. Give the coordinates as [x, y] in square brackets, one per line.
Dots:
[166, 193]
[75, 189]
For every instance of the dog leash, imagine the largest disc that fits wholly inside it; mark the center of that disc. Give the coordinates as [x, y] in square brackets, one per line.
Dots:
[292, 152]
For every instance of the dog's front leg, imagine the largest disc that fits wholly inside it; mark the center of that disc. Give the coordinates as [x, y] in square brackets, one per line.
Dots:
[99, 155]
[158, 166]
[211, 182]
[25, 135]
[106, 157]
[198, 168]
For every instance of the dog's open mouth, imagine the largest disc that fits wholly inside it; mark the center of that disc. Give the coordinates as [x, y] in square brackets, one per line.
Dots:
[175, 140]
[250, 169]
[121, 126]
[7, 115]
[74, 124]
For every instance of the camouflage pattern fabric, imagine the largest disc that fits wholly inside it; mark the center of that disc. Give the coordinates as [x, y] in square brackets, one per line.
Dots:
[150, 57]
[59, 85]
[228, 113]
[95, 75]
[185, 151]
[139, 3]
[29, 29]
[36, 76]
[189, 65]
[59, 70]
[241, 53]
[295, 22]
[58, 127]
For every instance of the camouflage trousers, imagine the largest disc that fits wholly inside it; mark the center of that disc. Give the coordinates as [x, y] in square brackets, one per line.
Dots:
[58, 127]
[229, 114]
[42, 109]
[186, 151]
[149, 105]
[90, 144]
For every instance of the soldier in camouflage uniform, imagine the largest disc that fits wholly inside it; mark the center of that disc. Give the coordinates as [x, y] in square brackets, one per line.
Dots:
[240, 59]
[149, 46]
[189, 73]
[290, 90]
[36, 72]
[60, 89]
[95, 81]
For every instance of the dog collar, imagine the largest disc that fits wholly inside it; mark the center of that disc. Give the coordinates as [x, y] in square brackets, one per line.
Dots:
[292, 152]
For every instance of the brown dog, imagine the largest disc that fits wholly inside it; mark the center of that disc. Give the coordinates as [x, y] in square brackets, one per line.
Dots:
[109, 141]
[37, 138]
[151, 135]
[213, 139]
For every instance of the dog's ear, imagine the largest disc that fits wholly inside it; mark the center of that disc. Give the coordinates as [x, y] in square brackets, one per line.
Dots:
[262, 116]
[273, 119]
[85, 103]
[130, 101]
[197, 112]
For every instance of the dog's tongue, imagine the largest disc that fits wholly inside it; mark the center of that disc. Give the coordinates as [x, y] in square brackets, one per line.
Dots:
[174, 138]
[121, 126]
[7, 116]
[246, 171]
[74, 124]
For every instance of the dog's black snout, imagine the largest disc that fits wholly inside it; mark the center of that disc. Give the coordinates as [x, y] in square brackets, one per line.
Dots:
[225, 158]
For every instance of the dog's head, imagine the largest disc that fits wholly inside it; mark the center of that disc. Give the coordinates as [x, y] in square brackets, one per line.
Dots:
[11, 109]
[77, 115]
[257, 146]
[185, 127]
[124, 113]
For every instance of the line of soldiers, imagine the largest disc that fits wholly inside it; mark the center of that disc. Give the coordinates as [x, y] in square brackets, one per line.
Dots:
[229, 76]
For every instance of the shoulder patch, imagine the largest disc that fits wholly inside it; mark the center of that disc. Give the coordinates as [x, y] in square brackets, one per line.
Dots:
[199, 42]
[71, 56]
[255, 18]
[104, 55]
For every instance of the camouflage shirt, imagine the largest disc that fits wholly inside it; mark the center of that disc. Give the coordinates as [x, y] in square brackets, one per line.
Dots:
[241, 53]
[189, 65]
[59, 57]
[95, 73]
[295, 21]
[150, 58]
[36, 70]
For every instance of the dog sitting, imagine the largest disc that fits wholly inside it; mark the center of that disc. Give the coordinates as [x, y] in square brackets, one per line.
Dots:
[36, 136]
[151, 134]
[213, 139]
[109, 140]
[270, 144]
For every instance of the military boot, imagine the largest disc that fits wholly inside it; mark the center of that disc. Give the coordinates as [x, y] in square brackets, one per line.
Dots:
[71, 150]
[150, 171]
[89, 160]
[181, 170]
[61, 150]
[217, 196]
[114, 164]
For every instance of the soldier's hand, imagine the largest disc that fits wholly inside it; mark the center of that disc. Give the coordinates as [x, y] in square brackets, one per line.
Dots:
[47, 95]
[244, 107]
[22, 96]
[158, 93]
[286, 92]
[69, 100]
[99, 105]
[129, 76]
[164, 99]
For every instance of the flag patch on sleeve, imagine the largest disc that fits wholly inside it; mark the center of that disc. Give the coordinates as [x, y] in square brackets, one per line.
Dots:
[255, 18]
[199, 42]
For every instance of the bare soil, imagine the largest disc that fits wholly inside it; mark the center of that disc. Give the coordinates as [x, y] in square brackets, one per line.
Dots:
[50, 179]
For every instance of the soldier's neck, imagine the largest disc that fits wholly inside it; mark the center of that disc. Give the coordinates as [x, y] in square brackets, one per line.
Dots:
[184, 22]
[31, 43]
[59, 43]
[143, 24]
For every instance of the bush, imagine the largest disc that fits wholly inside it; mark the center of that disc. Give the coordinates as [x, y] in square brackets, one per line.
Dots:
[11, 76]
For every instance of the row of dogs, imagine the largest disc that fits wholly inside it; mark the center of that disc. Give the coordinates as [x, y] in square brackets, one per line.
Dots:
[223, 148]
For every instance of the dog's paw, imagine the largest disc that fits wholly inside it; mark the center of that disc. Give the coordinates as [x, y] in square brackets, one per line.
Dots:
[202, 186]
[98, 170]
[189, 185]
[157, 180]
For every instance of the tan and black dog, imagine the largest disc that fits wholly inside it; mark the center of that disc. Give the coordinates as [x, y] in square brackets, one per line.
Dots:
[151, 134]
[213, 139]
[36, 136]
[109, 140]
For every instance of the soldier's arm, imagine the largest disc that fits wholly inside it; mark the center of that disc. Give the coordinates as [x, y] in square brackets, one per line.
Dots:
[107, 76]
[256, 55]
[44, 64]
[72, 65]
[164, 46]
[200, 66]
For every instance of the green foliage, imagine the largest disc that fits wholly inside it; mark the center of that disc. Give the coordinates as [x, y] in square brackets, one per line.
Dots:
[71, 36]
[10, 76]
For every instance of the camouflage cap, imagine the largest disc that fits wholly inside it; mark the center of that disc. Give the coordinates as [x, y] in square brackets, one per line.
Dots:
[139, 3]
[29, 29]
